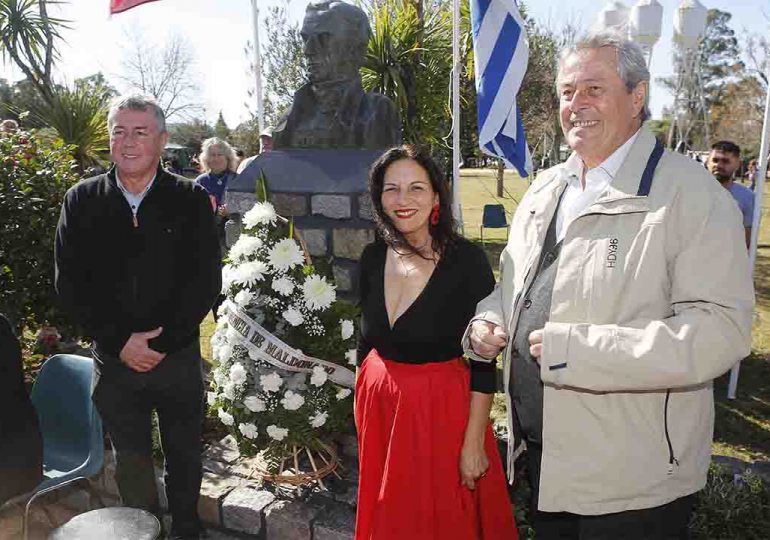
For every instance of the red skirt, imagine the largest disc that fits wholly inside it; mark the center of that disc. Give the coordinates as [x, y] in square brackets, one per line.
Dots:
[411, 423]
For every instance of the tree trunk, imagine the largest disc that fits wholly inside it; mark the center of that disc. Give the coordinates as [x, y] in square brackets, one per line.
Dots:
[500, 173]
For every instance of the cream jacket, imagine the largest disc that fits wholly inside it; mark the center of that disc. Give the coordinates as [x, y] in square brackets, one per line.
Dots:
[652, 300]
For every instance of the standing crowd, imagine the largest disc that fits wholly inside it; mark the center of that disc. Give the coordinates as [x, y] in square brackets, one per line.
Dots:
[624, 290]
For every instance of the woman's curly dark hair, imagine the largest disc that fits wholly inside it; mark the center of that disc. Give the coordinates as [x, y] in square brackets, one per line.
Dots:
[443, 233]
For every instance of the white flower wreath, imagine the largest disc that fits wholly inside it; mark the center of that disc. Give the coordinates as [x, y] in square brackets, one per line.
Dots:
[268, 398]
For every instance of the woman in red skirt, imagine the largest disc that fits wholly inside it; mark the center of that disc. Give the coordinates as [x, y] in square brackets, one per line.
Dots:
[428, 463]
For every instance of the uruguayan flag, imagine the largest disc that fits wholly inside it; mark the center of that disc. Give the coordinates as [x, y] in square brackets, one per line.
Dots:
[501, 54]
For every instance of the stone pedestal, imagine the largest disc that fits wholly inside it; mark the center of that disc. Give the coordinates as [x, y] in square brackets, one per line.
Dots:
[325, 192]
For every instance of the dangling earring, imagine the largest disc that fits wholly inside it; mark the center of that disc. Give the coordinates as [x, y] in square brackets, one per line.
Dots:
[434, 215]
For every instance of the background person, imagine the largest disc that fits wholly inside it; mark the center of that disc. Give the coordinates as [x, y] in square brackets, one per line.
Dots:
[723, 162]
[429, 466]
[751, 173]
[138, 266]
[21, 446]
[624, 290]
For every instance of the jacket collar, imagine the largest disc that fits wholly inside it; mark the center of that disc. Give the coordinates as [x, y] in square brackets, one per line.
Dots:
[627, 179]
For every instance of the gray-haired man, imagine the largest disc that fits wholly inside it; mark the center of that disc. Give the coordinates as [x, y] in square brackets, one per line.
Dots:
[624, 291]
[137, 265]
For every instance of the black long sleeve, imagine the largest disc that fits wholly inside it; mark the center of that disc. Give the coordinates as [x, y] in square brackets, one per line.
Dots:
[116, 276]
[73, 285]
[429, 330]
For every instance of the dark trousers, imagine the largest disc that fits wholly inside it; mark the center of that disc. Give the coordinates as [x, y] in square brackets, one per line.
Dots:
[667, 522]
[125, 400]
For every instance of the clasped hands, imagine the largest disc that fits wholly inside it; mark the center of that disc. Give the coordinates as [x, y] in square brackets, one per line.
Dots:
[138, 355]
[488, 339]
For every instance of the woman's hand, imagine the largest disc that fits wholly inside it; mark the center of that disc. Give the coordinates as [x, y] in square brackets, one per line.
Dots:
[473, 463]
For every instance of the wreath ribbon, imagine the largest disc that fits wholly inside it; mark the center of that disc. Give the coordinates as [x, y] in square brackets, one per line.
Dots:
[263, 345]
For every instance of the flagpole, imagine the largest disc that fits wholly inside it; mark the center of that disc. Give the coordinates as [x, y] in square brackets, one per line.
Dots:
[759, 192]
[456, 208]
[258, 67]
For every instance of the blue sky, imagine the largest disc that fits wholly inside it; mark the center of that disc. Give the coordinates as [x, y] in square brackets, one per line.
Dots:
[219, 29]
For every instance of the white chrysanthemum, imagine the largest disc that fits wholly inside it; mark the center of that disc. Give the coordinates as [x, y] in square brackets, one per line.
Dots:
[232, 335]
[221, 323]
[285, 254]
[319, 376]
[271, 382]
[318, 419]
[248, 430]
[261, 213]
[283, 285]
[318, 293]
[238, 374]
[351, 356]
[342, 393]
[277, 433]
[293, 316]
[245, 246]
[211, 397]
[243, 298]
[254, 404]
[224, 352]
[228, 278]
[226, 418]
[346, 329]
[292, 401]
[220, 376]
[248, 274]
[228, 390]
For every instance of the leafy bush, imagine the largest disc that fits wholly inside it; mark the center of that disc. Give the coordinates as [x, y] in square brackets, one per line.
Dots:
[34, 176]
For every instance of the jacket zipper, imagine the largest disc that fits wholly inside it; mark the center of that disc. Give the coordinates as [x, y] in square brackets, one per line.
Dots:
[671, 457]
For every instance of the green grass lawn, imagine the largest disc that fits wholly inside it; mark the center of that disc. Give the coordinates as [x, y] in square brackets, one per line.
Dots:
[742, 425]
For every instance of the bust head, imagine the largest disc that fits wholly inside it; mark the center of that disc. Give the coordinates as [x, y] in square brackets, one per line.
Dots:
[335, 35]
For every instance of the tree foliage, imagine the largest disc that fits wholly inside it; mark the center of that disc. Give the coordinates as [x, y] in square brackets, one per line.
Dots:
[29, 36]
[34, 175]
[191, 133]
[220, 128]
[409, 60]
[78, 116]
[165, 71]
[283, 64]
[717, 59]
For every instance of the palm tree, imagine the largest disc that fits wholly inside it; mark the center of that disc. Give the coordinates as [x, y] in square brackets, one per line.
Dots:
[78, 116]
[409, 59]
[28, 36]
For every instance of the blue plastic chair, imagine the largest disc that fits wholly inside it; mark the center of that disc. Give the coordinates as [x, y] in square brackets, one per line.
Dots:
[73, 442]
[493, 217]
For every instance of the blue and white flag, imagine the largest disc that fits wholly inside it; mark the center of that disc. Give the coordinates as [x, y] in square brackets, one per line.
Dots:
[501, 55]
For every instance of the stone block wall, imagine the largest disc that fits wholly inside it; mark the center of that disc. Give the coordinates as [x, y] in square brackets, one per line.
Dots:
[336, 227]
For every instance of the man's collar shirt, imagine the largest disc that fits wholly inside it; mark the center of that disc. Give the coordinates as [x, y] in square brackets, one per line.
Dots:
[134, 200]
[576, 199]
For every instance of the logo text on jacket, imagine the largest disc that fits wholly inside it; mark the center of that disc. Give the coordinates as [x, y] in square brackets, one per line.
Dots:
[612, 253]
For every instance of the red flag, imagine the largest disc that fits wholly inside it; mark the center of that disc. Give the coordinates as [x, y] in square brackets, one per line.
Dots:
[116, 6]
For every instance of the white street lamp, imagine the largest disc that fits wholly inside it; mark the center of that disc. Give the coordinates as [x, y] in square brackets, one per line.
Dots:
[613, 15]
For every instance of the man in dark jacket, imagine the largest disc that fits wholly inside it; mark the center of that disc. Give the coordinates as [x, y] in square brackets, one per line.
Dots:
[137, 264]
[21, 447]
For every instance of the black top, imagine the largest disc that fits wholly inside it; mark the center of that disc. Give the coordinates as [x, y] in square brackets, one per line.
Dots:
[431, 329]
[116, 276]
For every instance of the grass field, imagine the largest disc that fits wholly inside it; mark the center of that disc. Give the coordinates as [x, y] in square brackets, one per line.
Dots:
[742, 425]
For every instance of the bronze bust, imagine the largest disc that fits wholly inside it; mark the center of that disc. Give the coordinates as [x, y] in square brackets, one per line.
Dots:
[332, 109]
